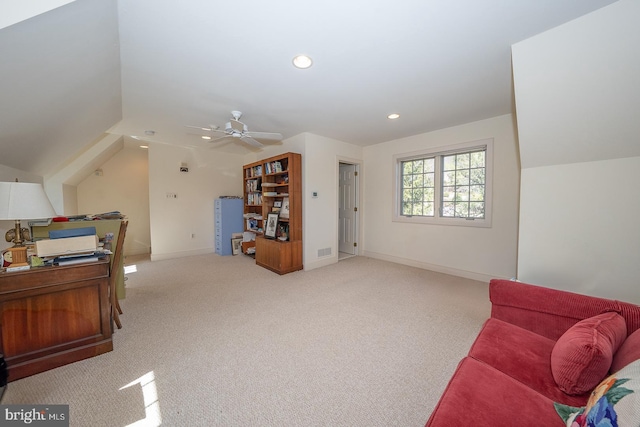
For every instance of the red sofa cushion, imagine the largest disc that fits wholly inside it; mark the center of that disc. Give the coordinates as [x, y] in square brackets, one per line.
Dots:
[582, 356]
[480, 395]
[524, 356]
[627, 353]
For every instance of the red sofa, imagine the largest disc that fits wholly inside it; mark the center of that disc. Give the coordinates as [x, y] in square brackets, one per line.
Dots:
[506, 379]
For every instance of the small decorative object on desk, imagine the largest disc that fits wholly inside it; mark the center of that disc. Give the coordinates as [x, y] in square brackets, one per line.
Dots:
[108, 240]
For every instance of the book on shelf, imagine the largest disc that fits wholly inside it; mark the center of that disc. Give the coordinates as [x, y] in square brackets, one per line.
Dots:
[253, 185]
[273, 167]
[254, 199]
[254, 171]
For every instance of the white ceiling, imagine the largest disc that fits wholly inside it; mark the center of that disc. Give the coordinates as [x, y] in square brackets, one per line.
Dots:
[437, 63]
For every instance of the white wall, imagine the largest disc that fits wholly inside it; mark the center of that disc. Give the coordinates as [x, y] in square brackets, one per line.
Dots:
[212, 173]
[70, 199]
[123, 186]
[61, 184]
[579, 228]
[320, 167]
[578, 98]
[474, 252]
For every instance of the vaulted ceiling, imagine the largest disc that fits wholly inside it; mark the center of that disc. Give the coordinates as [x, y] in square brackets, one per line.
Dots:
[92, 66]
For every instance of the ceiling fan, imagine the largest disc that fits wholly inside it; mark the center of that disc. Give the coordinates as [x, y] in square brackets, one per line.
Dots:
[234, 128]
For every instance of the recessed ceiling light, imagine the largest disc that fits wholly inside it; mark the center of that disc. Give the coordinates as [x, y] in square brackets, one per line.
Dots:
[144, 146]
[205, 137]
[302, 61]
[393, 116]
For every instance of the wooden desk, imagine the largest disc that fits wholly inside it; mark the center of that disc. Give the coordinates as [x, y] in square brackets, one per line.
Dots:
[52, 316]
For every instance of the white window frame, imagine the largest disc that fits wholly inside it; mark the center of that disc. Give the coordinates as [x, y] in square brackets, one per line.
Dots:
[438, 152]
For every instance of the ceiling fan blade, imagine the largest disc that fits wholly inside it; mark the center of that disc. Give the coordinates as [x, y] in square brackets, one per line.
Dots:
[265, 135]
[229, 137]
[235, 125]
[204, 128]
[248, 140]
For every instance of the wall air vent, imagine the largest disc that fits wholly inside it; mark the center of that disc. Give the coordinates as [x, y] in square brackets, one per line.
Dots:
[324, 252]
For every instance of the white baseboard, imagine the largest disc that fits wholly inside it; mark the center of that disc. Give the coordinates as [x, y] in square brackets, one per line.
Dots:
[172, 255]
[139, 251]
[320, 263]
[432, 267]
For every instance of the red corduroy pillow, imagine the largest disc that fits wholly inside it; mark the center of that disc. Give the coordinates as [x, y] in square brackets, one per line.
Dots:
[582, 356]
[627, 353]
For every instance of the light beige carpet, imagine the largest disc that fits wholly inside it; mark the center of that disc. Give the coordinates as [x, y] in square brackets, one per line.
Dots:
[219, 341]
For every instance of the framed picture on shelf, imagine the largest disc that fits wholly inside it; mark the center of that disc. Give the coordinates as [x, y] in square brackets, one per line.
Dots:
[284, 211]
[271, 226]
[277, 204]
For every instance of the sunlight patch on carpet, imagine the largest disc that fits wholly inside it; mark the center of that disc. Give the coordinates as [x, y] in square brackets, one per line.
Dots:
[151, 404]
[130, 269]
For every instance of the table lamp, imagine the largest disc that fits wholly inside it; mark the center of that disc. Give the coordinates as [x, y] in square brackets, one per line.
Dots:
[22, 200]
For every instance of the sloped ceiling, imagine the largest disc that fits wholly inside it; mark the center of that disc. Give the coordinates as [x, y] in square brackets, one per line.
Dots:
[436, 63]
[585, 108]
[59, 84]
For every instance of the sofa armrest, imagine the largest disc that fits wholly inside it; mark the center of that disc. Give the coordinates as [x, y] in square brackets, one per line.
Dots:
[550, 312]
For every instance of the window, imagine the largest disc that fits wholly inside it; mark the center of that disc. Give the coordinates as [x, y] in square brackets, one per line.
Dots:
[445, 186]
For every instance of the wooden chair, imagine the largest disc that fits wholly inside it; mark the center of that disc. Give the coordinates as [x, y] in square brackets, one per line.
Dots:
[116, 266]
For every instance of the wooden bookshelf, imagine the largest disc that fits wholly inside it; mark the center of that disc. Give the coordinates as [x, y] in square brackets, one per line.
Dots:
[267, 183]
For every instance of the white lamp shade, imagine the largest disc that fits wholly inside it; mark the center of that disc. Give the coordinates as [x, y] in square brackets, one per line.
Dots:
[24, 200]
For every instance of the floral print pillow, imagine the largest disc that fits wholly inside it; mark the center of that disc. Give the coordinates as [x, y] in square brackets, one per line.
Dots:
[615, 402]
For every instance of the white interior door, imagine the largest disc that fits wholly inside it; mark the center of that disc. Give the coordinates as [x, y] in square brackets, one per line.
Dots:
[347, 213]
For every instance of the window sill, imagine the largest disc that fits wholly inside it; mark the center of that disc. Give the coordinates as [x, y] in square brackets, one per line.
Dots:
[459, 222]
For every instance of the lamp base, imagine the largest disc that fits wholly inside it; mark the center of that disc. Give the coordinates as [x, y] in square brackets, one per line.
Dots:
[19, 256]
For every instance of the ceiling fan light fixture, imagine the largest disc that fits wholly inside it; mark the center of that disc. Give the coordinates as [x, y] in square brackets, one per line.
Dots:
[393, 116]
[302, 61]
